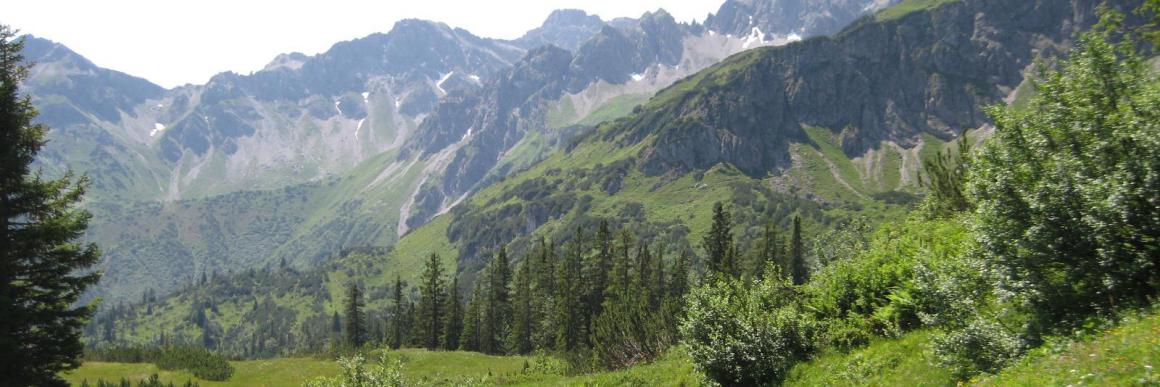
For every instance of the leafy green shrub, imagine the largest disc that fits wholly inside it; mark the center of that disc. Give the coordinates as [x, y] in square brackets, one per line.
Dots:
[386, 373]
[745, 332]
[984, 345]
[879, 290]
[200, 362]
[630, 332]
[1068, 211]
[153, 381]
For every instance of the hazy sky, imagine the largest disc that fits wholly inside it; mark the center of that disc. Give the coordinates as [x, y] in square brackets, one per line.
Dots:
[177, 42]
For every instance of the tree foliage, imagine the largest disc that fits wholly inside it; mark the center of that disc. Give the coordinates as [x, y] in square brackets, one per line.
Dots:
[743, 332]
[1068, 208]
[43, 269]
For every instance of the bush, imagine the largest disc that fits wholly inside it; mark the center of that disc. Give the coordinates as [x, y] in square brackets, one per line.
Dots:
[386, 373]
[201, 362]
[983, 345]
[744, 332]
[629, 332]
[153, 381]
[1068, 210]
[881, 291]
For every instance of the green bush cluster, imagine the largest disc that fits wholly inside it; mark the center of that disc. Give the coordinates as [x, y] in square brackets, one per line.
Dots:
[747, 332]
[355, 373]
[201, 362]
[153, 381]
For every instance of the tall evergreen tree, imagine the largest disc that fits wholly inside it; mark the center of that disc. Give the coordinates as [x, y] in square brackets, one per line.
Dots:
[620, 281]
[545, 300]
[42, 266]
[718, 243]
[498, 307]
[769, 254]
[355, 328]
[569, 300]
[798, 270]
[597, 271]
[453, 323]
[658, 292]
[644, 266]
[397, 318]
[472, 321]
[431, 299]
[520, 336]
[679, 284]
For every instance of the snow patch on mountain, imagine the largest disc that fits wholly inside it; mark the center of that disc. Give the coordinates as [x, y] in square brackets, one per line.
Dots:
[157, 128]
[443, 79]
[755, 37]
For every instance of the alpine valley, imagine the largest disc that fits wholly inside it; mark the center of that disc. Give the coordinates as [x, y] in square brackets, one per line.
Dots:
[238, 214]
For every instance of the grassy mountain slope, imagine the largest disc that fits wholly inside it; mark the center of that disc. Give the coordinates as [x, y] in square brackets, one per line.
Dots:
[163, 245]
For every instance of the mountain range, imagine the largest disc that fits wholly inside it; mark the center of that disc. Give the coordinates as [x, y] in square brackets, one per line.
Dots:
[315, 156]
[829, 127]
[552, 139]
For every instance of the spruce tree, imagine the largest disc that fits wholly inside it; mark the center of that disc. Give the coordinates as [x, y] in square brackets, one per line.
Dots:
[497, 310]
[355, 328]
[596, 276]
[679, 284]
[768, 255]
[620, 277]
[453, 323]
[545, 300]
[798, 270]
[718, 244]
[520, 336]
[658, 292]
[43, 269]
[397, 318]
[471, 319]
[430, 308]
[569, 329]
[644, 268]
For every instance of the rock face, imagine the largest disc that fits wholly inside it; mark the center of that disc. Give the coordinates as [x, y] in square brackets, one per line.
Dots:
[929, 72]
[83, 104]
[299, 119]
[802, 18]
[565, 28]
[480, 127]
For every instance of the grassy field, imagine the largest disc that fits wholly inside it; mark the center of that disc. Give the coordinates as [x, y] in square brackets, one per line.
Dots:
[420, 367]
[900, 362]
[1123, 355]
[907, 7]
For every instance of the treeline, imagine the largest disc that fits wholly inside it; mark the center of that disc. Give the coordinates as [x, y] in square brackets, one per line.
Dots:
[604, 299]
[199, 361]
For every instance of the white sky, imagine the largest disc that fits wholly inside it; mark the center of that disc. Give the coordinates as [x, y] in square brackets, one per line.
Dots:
[177, 42]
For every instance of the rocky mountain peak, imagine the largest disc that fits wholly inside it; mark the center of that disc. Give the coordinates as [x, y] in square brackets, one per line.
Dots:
[564, 28]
